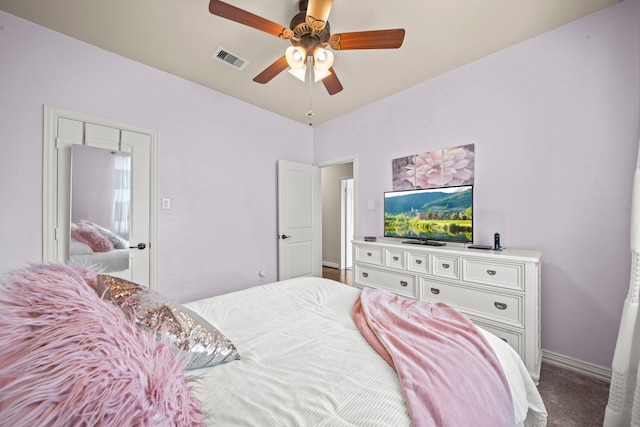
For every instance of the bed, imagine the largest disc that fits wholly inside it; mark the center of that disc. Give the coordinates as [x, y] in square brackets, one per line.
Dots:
[302, 361]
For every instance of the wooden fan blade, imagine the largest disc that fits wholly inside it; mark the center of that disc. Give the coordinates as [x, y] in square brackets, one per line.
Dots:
[380, 39]
[233, 13]
[272, 70]
[318, 12]
[331, 82]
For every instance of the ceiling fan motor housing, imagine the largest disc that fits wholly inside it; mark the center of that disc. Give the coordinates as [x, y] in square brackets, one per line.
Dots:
[306, 36]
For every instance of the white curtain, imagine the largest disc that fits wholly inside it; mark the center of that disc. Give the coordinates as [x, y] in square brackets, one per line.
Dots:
[121, 218]
[623, 408]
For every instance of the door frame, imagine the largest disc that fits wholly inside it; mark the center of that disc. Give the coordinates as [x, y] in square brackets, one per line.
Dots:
[353, 159]
[51, 234]
[346, 205]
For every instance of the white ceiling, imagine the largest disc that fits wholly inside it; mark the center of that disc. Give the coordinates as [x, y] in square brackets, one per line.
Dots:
[179, 37]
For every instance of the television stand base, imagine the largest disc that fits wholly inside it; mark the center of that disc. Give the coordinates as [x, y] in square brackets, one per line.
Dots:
[424, 242]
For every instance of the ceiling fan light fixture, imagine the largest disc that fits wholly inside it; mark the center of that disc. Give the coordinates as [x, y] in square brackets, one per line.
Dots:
[299, 73]
[296, 57]
[322, 59]
[320, 74]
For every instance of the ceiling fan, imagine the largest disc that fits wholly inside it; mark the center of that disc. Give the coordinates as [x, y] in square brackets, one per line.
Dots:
[309, 35]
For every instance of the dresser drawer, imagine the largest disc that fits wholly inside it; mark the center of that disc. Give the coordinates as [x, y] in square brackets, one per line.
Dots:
[394, 258]
[446, 266]
[369, 254]
[509, 276]
[514, 338]
[499, 307]
[418, 262]
[399, 283]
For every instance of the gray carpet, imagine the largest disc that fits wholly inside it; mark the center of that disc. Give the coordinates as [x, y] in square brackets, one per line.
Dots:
[572, 399]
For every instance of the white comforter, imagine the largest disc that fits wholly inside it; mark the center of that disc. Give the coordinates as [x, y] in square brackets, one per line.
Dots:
[106, 262]
[304, 363]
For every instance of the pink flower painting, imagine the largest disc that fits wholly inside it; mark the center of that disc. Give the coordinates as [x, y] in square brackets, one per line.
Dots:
[401, 181]
[457, 165]
[441, 168]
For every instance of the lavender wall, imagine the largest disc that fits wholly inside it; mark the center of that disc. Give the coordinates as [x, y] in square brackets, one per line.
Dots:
[219, 172]
[555, 125]
[554, 121]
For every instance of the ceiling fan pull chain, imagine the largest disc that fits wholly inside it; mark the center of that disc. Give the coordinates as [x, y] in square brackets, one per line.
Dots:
[310, 113]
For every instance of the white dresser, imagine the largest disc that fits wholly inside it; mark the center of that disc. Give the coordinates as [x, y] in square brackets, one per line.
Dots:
[498, 290]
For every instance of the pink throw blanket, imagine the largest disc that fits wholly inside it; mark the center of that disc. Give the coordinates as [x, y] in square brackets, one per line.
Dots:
[449, 373]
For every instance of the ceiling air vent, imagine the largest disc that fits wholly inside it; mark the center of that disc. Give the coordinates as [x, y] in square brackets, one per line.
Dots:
[223, 55]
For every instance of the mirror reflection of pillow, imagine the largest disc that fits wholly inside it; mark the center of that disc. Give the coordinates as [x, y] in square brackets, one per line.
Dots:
[79, 248]
[201, 343]
[117, 241]
[87, 234]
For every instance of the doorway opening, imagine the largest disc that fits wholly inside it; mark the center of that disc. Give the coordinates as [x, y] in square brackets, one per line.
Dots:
[339, 222]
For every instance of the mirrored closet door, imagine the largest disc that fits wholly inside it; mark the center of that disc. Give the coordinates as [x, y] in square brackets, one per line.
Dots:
[99, 195]
[100, 208]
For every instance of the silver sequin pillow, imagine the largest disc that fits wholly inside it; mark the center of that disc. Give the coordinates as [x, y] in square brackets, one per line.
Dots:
[192, 336]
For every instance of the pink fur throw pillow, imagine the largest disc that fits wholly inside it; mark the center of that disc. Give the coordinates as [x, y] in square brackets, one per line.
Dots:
[68, 358]
[97, 241]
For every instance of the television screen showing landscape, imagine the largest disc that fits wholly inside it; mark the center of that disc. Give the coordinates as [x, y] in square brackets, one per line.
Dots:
[443, 214]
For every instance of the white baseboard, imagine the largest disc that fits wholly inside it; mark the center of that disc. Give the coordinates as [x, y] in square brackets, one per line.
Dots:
[330, 264]
[576, 365]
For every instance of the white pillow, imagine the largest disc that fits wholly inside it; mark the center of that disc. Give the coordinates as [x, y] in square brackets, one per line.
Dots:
[79, 248]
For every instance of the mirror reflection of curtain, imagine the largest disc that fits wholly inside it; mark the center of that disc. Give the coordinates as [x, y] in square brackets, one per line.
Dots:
[121, 218]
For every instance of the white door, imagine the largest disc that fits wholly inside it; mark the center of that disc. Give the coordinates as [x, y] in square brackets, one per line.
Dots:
[63, 129]
[299, 221]
[139, 145]
[140, 235]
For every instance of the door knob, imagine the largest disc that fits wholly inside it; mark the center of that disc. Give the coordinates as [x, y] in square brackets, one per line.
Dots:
[284, 236]
[140, 246]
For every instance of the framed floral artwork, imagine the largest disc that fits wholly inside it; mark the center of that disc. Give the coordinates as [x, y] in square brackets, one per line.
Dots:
[403, 178]
[434, 169]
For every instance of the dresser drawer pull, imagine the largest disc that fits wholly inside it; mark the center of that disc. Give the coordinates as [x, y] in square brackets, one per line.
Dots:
[395, 258]
[435, 291]
[365, 274]
[491, 272]
[403, 283]
[369, 254]
[418, 261]
[445, 265]
[500, 305]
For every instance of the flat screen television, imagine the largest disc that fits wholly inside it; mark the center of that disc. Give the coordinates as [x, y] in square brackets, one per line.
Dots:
[435, 214]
